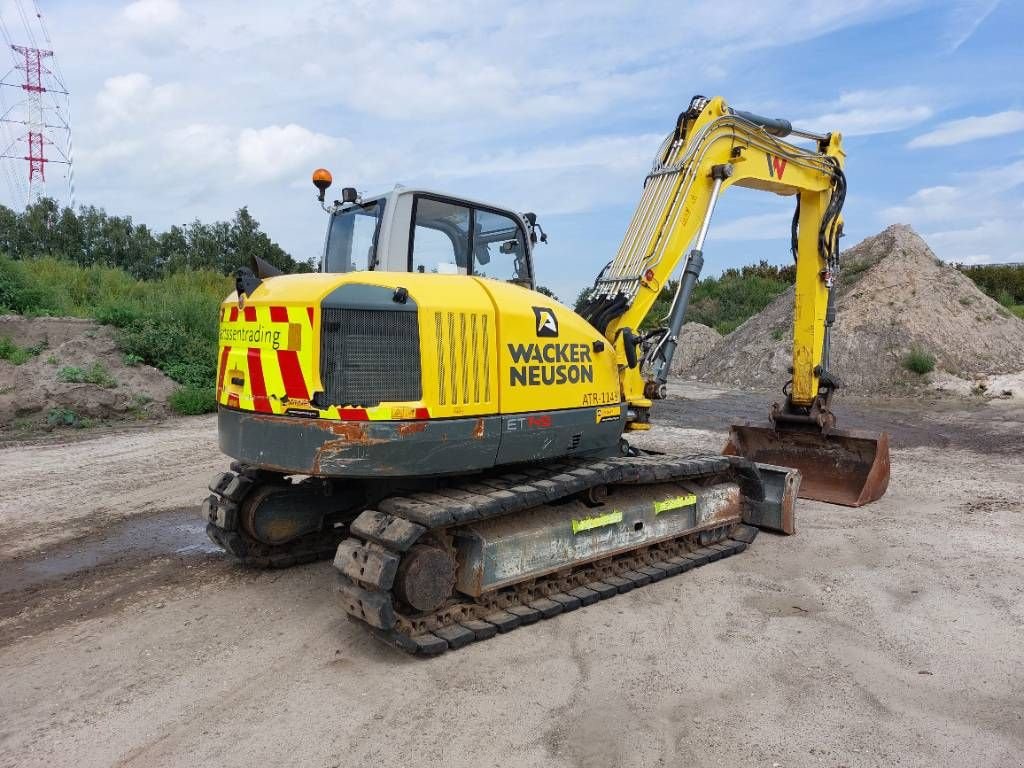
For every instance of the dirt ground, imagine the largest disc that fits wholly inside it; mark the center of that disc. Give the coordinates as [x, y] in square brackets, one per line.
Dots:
[883, 636]
[54, 385]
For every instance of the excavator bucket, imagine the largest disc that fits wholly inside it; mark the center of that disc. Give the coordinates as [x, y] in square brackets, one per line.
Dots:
[840, 467]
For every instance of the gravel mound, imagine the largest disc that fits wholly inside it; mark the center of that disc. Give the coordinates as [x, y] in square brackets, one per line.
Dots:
[35, 394]
[894, 296]
[696, 341]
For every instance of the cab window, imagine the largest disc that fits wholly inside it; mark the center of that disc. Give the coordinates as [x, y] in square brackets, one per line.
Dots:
[352, 238]
[454, 238]
[499, 248]
[440, 237]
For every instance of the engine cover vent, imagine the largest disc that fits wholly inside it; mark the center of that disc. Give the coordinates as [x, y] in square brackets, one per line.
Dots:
[370, 356]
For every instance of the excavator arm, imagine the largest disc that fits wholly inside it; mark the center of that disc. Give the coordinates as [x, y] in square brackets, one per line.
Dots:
[712, 148]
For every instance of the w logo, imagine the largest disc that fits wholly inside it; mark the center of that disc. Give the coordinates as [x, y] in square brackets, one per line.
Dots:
[776, 166]
[547, 323]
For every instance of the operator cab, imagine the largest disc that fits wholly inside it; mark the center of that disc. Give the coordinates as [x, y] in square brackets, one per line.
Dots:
[417, 230]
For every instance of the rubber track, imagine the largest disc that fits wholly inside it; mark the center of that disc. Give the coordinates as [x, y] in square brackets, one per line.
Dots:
[220, 510]
[369, 559]
[500, 622]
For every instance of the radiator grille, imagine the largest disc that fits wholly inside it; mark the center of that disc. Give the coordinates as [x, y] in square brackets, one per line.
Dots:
[370, 356]
[463, 358]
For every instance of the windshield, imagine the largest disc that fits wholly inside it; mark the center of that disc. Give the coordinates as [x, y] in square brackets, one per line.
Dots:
[352, 238]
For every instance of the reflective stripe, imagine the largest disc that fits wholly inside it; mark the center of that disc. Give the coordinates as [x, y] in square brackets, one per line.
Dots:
[600, 521]
[674, 503]
[256, 382]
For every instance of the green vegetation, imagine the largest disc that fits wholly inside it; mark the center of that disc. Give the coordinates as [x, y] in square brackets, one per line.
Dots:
[1002, 282]
[919, 361]
[91, 237]
[96, 373]
[170, 323]
[65, 417]
[12, 353]
[161, 292]
[726, 302]
[191, 401]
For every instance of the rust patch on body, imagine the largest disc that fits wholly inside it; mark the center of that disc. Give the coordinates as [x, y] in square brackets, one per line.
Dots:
[478, 429]
[351, 431]
[411, 428]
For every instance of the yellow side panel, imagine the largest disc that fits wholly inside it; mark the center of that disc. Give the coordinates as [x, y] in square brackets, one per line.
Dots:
[547, 358]
[458, 344]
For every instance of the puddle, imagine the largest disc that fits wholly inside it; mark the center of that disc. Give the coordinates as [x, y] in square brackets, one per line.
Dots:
[178, 532]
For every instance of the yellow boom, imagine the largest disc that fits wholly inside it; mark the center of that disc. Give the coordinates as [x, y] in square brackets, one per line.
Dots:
[713, 148]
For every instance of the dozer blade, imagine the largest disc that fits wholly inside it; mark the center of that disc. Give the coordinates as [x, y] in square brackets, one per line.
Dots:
[842, 467]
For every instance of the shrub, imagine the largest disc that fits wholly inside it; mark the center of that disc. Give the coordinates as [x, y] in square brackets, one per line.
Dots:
[119, 315]
[998, 280]
[96, 374]
[919, 361]
[192, 401]
[63, 417]
[726, 302]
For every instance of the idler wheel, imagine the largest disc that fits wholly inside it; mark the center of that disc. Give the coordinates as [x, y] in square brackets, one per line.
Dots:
[425, 578]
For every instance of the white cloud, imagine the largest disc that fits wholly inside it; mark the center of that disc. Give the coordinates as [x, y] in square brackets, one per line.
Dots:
[613, 153]
[975, 221]
[149, 14]
[990, 241]
[199, 147]
[269, 153]
[133, 96]
[971, 129]
[556, 106]
[761, 226]
[964, 19]
[860, 113]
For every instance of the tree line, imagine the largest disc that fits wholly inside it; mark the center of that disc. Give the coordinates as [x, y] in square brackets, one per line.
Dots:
[90, 236]
[1003, 282]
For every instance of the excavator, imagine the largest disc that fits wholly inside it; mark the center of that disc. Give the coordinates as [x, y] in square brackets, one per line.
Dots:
[457, 441]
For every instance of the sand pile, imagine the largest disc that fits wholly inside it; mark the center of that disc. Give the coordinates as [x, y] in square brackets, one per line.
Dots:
[41, 391]
[696, 341]
[894, 296]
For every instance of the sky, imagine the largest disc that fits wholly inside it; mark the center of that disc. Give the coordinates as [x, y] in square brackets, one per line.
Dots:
[184, 110]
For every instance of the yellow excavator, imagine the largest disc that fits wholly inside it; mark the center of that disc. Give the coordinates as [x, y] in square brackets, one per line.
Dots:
[455, 440]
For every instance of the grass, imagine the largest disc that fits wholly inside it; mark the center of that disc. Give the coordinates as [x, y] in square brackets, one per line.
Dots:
[191, 401]
[96, 373]
[919, 361]
[170, 323]
[12, 353]
[1018, 310]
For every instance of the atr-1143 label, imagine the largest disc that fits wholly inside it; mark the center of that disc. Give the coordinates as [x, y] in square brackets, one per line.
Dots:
[547, 364]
